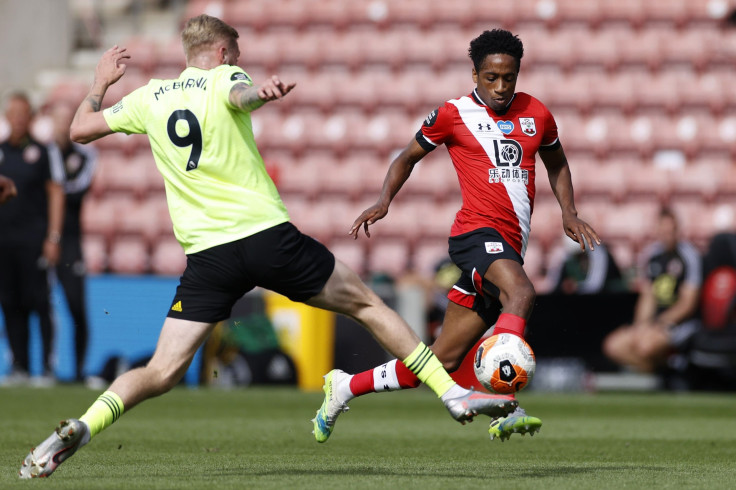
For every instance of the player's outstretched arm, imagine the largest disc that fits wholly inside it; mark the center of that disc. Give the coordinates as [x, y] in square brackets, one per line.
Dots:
[7, 189]
[89, 124]
[249, 98]
[560, 179]
[398, 173]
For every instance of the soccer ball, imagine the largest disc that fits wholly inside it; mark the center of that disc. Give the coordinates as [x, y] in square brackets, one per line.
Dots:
[504, 363]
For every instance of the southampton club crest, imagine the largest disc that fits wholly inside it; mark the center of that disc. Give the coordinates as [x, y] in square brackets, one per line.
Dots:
[527, 126]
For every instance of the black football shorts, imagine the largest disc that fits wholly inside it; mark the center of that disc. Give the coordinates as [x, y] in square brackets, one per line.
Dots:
[280, 258]
[473, 252]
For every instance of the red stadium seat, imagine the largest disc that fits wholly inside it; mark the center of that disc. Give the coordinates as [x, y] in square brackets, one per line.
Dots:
[700, 180]
[647, 182]
[389, 256]
[427, 255]
[434, 176]
[120, 173]
[439, 218]
[534, 263]
[94, 249]
[674, 12]
[167, 257]
[100, 216]
[574, 12]
[642, 49]
[128, 255]
[631, 221]
[144, 55]
[351, 252]
[630, 12]
[137, 219]
[593, 49]
[546, 223]
[624, 253]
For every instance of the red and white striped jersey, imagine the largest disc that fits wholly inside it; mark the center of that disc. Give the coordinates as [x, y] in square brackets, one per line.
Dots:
[494, 157]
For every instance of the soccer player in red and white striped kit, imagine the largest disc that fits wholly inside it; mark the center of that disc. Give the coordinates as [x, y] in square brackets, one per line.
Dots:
[492, 135]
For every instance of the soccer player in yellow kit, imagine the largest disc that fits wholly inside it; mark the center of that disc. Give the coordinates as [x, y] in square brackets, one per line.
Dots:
[234, 228]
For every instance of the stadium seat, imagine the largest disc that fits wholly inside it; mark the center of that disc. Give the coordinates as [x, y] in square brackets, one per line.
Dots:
[170, 57]
[406, 219]
[627, 12]
[389, 256]
[642, 49]
[167, 257]
[601, 181]
[534, 264]
[572, 12]
[215, 8]
[673, 12]
[427, 255]
[646, 181]
[631, 222]
[140, 220]
[593, 49]
[68, 90]
[94, 250]
[658, 92]
[247, 15]
[701, 180]
[624, 253]
[100, 216]
[144, 55]
[409, 12]
[434, 176]
[351, 252]
[128, 255]
[546, 223]
[438, 218]
[121, 173]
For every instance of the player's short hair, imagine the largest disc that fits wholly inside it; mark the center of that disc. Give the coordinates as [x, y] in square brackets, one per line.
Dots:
[201, 31]
[497, 41]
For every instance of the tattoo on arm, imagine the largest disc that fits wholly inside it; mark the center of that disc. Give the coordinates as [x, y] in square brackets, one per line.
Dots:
[245, 98]
[95, 101]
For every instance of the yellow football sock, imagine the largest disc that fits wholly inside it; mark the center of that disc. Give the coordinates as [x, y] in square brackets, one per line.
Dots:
[425, 366]
[103, 412]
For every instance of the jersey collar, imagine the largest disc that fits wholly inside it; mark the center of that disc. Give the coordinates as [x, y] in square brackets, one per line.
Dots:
[479, 101]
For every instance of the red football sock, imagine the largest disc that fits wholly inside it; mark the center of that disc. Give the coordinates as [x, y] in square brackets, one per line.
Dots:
[508, 323]
[406, 378]
[362, 383]
[377, 379]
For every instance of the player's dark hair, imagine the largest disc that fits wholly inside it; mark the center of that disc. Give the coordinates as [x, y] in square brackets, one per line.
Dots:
[497, 41]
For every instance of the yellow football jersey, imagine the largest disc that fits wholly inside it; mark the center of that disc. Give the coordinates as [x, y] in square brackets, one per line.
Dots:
[217, 187]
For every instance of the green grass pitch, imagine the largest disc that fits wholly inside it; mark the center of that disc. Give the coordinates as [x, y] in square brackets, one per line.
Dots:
[261, 438]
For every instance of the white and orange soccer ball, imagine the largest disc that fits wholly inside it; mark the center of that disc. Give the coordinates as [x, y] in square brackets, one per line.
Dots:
[504, 363]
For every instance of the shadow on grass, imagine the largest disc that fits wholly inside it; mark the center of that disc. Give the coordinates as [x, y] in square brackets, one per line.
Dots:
[381, 471]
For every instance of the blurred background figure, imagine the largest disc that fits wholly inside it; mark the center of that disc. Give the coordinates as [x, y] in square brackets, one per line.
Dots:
[30, 234]
[585, 271]
[664, 317]
[79, 164]
[7, 189]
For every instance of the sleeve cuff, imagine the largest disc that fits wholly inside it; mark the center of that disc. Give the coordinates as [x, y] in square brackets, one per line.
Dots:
[423, 142]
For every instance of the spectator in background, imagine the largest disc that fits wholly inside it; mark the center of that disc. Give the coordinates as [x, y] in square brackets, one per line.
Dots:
[7, 189]
[664, 317]
[586, 271]
[30, 234]
[79, 166]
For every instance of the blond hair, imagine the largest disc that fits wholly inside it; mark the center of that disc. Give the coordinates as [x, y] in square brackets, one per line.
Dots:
[201, 31]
